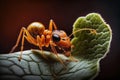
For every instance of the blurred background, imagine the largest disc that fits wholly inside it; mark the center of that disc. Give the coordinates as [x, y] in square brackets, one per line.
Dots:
[14, 14]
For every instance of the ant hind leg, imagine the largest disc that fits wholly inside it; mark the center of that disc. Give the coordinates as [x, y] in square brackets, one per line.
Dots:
[18, 40]
[22, 46]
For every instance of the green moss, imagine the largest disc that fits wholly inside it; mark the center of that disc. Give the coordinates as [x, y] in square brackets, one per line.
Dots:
[89, 45]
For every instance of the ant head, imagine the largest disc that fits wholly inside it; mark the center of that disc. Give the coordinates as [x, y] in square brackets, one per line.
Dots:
[61, 39]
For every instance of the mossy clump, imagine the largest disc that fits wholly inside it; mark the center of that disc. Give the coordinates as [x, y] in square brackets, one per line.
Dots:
[88, 45]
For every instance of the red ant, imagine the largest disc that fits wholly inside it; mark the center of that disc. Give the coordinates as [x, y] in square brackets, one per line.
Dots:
[37, 35]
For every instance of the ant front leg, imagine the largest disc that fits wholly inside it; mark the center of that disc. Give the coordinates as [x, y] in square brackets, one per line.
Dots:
[51, 25]
[67, 53]
[55, 52]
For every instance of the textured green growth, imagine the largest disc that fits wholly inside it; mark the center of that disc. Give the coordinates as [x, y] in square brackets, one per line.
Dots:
[89, 45]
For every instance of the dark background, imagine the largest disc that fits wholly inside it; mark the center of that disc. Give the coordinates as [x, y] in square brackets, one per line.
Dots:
[19, 13]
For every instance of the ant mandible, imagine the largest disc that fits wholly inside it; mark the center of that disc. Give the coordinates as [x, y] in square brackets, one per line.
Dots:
[37, 35]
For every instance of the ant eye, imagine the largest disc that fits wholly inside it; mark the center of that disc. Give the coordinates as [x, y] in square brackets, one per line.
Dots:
[55, 38]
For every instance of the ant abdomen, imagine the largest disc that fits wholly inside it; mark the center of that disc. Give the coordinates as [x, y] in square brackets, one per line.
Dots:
[36, 28]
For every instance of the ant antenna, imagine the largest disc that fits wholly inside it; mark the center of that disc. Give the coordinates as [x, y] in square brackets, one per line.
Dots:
[84, 29]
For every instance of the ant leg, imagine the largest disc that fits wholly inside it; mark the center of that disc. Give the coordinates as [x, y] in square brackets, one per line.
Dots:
[51, 25]
[68, 54]
[29, 38]
[72, 58]
[47, 40]
[40, 42]
[54, 50]
[22, 46]
[18, 40]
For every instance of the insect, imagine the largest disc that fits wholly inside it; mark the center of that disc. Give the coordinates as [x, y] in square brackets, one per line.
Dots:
[37, 35]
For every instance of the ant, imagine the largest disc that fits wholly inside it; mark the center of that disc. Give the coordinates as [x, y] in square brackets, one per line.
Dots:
[37, 35]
